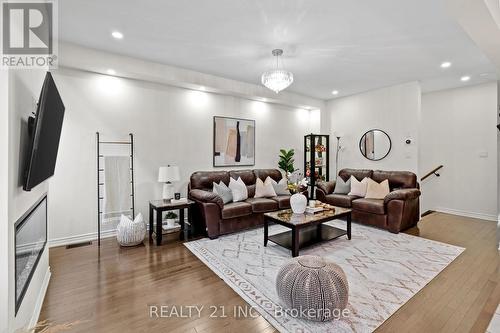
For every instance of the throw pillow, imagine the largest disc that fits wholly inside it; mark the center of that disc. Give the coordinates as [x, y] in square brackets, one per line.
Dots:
[264, 189]
[358, 188]
[377, 191]
[281, 188]
[223, 191]
[342, 187]
[239, 189]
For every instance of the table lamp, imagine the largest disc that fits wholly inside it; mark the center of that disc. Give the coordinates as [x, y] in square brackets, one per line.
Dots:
[167, 175]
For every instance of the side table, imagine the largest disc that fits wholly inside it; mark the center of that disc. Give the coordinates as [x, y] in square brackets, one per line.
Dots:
[157, 207]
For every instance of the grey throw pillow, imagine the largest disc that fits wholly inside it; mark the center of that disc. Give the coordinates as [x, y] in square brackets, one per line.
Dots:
[280, 188]
[342, 187]
[223, 191]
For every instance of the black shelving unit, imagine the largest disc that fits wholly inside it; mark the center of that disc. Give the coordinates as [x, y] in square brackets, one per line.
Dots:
[316, 160]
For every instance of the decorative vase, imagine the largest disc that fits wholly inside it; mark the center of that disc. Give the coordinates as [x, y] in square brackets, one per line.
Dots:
[298, 202]
[170, 222]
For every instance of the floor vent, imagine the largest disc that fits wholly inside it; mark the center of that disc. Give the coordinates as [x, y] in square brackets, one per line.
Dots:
[429, 212]
[71, 246]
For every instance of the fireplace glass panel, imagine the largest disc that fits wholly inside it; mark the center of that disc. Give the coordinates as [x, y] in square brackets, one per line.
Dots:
[31, 237]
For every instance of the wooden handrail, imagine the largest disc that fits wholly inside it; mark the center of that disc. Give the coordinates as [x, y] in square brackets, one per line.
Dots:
[433, 172]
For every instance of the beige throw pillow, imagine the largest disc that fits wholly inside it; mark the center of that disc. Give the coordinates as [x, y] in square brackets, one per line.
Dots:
[264, 189]
[358, 188]
[377, 191]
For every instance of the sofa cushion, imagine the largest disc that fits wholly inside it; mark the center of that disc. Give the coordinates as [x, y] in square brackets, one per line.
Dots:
[203, 180]
[283, 201]
[262, 205]
[359, 174]
[264, 173]
[247, 176]
[374, 206]
[397, 179]
[236, 209]
[340, 200]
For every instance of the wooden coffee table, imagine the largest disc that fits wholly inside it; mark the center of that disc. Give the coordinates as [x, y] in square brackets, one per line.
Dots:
[305, 229]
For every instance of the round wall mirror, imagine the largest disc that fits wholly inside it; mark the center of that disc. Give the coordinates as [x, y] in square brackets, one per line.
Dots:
[375, 144]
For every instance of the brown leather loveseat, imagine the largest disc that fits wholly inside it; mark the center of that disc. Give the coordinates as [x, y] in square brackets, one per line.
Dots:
[398, 211]
[219, 218]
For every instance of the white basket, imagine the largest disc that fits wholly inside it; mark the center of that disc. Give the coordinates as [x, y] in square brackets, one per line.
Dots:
[131, 233]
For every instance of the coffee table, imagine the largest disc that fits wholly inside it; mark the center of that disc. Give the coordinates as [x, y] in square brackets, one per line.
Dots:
[305, 229]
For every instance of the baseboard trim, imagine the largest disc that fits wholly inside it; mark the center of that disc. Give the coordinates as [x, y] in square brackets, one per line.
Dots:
[63, 241]
[480, 216]
[40, 298]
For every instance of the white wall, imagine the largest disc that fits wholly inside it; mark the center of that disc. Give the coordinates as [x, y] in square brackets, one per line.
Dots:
[458, 130]
[24, 89]
[171, 126]
[498, 164]
[394, 110]
[4, 206]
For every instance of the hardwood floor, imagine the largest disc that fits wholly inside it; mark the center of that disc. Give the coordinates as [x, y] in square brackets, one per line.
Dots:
[113, 291]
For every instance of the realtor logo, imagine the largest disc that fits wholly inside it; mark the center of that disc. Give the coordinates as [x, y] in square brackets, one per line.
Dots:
[28, 31]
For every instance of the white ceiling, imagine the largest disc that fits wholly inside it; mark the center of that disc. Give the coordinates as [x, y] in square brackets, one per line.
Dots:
[350, 46]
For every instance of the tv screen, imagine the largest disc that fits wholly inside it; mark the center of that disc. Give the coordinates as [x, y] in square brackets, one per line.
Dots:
[45, 130]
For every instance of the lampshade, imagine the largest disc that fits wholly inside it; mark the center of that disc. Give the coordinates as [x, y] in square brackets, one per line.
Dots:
[168, 174]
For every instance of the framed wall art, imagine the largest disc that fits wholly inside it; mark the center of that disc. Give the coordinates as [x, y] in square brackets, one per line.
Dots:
[234, 142]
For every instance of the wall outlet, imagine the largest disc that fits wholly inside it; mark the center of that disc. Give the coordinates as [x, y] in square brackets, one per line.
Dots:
[483, 154]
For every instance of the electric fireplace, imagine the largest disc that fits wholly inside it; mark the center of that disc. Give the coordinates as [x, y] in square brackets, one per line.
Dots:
[30, 241]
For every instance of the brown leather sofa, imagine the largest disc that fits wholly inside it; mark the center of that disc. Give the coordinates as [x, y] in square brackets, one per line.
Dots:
[217, 218]
[398, 211]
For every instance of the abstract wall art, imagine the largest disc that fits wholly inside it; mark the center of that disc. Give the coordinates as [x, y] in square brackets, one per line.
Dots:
[234, 142]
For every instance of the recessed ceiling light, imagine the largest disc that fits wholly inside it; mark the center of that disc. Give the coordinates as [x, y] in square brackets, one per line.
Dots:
[111, 71]
[117, 35]
[446, 64]
[465, 78]
[335, 92]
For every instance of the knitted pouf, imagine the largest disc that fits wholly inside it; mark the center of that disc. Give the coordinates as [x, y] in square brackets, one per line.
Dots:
[312, 283]
[131, 233]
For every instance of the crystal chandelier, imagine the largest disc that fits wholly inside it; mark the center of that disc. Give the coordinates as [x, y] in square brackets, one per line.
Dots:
[277, 79]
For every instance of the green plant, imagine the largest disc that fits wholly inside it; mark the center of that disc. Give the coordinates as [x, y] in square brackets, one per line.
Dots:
[171, 215]
[286, 161]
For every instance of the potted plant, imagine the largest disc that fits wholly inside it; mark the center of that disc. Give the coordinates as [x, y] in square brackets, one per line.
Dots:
[170, 217]
[286, 161]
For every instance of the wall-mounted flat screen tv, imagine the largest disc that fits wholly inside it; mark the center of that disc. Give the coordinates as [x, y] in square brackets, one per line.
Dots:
[45, 131]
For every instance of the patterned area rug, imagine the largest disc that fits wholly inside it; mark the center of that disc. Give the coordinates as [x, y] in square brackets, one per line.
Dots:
[384, 271]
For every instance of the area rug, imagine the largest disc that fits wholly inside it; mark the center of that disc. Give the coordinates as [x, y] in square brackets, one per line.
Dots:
[384, 271]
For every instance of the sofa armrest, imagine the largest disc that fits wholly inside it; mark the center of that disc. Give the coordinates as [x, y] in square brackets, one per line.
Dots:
[402, 194]
[206, 197]
[326, 187]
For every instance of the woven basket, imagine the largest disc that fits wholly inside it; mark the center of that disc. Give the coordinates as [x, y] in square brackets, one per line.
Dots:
[131, 233]
[310, 282]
